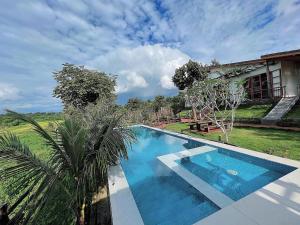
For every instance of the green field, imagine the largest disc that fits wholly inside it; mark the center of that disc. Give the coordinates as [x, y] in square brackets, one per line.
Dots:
[278, 142]
[29, 137]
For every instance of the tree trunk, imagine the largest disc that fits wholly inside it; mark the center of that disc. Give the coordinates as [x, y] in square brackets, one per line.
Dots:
[80, 216]
[194, 113]
[226, 137]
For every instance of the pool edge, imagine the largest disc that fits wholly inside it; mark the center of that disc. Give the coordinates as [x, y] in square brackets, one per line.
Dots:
[131, 207]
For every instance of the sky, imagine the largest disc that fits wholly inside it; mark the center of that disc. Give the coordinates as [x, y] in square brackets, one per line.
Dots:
[140, 41]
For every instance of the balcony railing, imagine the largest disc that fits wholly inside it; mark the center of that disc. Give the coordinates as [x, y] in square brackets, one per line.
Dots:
[279, 92]
[273, 93]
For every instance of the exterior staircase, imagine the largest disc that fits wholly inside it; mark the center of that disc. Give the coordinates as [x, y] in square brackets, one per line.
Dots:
[282, 107]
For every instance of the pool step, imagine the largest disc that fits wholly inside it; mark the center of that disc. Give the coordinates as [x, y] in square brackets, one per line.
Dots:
[190, 215]
[211, 193]
[179, 208]
[171, 194]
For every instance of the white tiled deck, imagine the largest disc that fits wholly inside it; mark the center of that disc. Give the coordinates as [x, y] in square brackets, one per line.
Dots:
[277, 203]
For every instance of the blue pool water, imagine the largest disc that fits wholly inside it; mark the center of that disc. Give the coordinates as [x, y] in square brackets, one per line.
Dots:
[234, 174]
[162, 197]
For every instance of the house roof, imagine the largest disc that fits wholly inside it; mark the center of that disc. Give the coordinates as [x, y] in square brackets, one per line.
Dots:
[281, 55]
[247, 62]
[289, 55]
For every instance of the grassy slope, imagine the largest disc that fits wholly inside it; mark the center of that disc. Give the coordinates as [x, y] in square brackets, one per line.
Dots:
[294, 113]
[283, 143]
[255, 111]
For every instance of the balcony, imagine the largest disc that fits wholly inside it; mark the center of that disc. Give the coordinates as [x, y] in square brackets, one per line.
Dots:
[261, 94]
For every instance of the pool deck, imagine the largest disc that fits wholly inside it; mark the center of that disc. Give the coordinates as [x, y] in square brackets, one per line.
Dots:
[277, 203]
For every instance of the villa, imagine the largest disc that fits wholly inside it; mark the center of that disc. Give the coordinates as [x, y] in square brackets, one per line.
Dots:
[273, 77]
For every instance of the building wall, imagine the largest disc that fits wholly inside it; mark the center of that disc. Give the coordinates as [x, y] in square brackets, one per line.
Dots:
[290, 77]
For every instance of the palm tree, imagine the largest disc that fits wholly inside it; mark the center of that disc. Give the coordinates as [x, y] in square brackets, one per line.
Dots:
[81, 152]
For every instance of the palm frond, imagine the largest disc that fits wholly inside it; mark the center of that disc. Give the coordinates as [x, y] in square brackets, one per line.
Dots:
[58, 152]
[27, 170]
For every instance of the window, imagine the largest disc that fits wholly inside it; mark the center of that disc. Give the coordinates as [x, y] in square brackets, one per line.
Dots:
[257, 87]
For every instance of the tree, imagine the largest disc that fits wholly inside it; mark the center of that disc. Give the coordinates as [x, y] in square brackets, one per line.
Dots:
[134, 104]
[214, 62]
[81, 152]
[158, 102]
[219, 100]
[177, 103]
[186, 75]
[78, 86]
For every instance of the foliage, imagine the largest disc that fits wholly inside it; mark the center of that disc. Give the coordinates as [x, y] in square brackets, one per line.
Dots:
[78, 86]
[134, 104]
[139, 111]
[188, 73]
[214, 62]
[177, 103]
[81, 151]
[216, 102]
[158, 102]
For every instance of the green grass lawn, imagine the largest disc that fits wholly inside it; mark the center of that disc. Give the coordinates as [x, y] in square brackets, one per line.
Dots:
[279, 142]
[254, 111]
[294, 113]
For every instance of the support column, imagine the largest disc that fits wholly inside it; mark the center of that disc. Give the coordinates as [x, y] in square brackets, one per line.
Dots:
[270, 80]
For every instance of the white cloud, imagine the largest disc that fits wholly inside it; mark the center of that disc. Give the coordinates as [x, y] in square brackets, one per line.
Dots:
[166, 82]
[132, 80]
[142, 41]
[149, 67]
[8, 92]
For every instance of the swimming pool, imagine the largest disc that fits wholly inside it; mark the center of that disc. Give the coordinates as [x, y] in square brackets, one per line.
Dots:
[163, 196]
[232, 173]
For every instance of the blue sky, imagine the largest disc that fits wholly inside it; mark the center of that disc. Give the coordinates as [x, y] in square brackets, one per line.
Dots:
[140, 41]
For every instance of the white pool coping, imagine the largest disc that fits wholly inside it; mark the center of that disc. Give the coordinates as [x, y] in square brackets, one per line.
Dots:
[277, 203]
[123, 207]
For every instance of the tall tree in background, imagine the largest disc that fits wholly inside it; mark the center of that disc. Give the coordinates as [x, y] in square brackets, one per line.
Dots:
[187, 74]
[177, 103]
[134, 104]
[158, 102]
[214, 62]
[78, 86]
